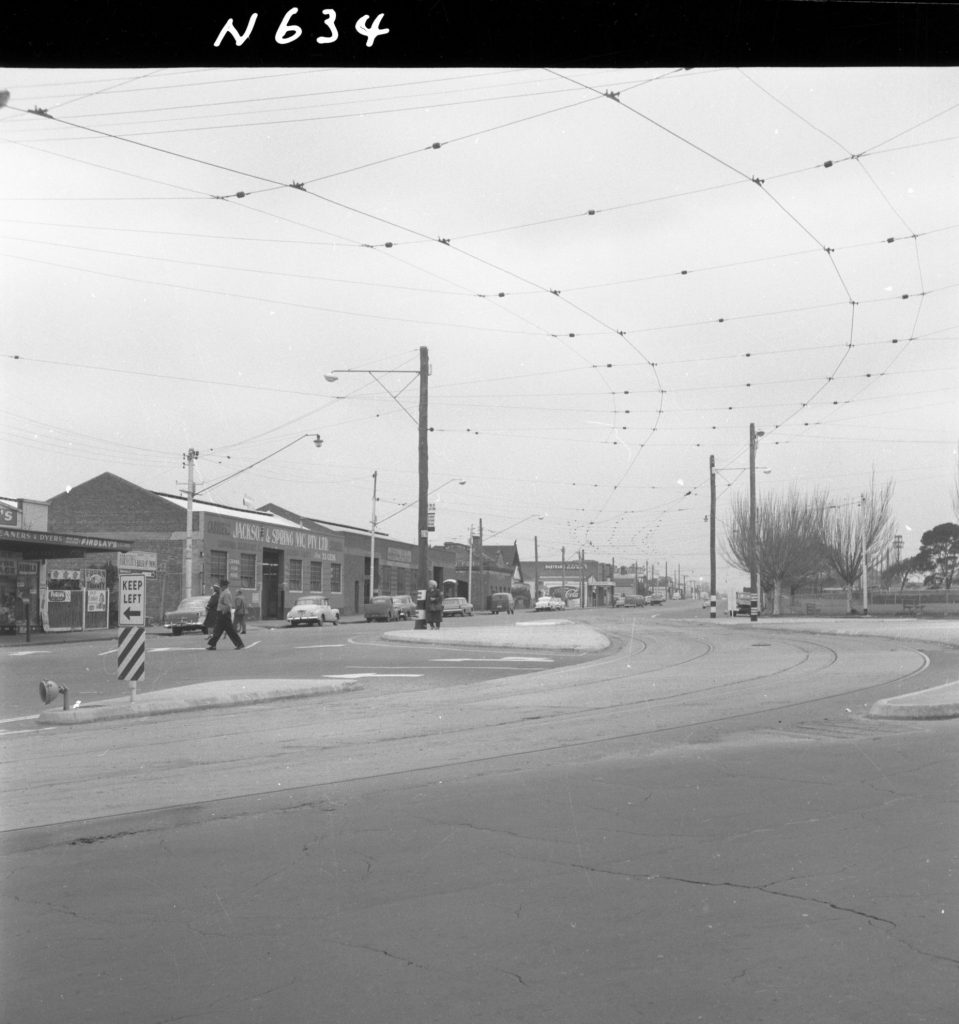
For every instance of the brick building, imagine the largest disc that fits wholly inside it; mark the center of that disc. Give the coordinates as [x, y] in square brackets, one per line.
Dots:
[272, 554]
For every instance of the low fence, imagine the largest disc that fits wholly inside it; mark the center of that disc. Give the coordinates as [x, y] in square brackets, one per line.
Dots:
[881, 602]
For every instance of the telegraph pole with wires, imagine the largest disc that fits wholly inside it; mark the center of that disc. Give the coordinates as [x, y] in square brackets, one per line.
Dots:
[189, 459]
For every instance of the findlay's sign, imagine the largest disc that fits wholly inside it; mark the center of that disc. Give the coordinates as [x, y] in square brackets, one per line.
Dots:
[273, 536]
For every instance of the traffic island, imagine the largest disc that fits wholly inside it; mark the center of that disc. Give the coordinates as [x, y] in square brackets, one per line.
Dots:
[223, 693]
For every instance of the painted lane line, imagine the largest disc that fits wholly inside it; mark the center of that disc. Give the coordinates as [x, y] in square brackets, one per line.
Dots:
[314, 647]
[22, 654]
[377, 675]
[498, 660]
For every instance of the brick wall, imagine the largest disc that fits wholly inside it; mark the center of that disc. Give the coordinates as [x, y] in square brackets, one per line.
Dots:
[110, 506]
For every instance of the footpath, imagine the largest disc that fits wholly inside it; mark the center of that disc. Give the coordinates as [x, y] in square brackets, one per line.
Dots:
[548, 634]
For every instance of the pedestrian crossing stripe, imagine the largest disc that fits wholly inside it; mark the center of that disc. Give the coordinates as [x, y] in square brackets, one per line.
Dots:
[132, 653]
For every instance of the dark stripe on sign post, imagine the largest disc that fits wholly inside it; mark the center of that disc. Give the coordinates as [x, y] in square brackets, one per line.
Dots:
[132, 655]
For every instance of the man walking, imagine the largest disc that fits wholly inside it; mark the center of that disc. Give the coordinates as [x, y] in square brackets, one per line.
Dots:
[224, 619]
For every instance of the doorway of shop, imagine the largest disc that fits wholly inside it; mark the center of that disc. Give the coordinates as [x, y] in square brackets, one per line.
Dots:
[272, 604]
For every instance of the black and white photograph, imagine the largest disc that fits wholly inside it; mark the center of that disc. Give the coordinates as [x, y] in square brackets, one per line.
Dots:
[479, 528]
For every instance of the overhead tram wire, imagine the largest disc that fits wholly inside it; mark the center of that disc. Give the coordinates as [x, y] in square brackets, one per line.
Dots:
[502, 268]
[301, 186]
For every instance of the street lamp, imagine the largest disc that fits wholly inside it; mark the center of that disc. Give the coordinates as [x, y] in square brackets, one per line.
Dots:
[190, 458]
[423, 450]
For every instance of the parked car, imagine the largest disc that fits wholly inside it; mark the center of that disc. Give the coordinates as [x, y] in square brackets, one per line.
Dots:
[313, 610]
[501, 602]
[548, 603]
[190, 614]
[456, 606]
[389, 607]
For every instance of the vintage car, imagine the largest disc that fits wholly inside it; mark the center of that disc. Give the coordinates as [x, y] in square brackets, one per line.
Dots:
[190, 614]
[312, 610]
[389, 607]
[456, 606]
[548, 603]
[502, 602]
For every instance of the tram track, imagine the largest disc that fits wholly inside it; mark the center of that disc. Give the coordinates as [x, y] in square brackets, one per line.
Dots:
[508, 722]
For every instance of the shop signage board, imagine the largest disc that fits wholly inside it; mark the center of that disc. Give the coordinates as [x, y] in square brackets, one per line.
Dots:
[142, 562]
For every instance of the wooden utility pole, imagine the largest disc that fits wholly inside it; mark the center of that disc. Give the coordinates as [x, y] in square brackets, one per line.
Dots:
[712, 536]
[424, 480]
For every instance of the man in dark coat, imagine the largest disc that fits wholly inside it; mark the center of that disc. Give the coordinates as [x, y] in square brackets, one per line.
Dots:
[224, 619]
[209, 621]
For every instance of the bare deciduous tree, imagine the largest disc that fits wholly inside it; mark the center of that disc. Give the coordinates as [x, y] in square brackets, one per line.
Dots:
[849, 527]
[789, 532]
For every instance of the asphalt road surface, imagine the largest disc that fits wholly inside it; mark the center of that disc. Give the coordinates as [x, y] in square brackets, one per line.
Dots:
[701, 825]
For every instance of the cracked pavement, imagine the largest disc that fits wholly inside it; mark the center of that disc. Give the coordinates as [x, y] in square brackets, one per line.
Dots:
[765, 869]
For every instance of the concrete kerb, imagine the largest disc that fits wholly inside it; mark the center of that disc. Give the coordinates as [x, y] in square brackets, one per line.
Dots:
[196, 697]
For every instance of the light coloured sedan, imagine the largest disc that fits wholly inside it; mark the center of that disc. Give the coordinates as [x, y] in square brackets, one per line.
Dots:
[456, 606]
[190, 614]
[312, 610]
[548, 603]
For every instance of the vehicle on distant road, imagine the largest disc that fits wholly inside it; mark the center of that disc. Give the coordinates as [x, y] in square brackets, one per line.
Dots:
[312, 610]
[548, 603]
[744, 603]
[389, 607]
[502, 602]
[456, 606]
[190, 614]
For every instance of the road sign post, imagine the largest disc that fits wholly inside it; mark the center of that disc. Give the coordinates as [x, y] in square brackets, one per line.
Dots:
[131, 649]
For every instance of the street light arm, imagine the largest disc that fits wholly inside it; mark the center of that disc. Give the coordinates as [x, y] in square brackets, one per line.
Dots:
[410, 504]
[333, 376]
[317, 440]
[489, 536]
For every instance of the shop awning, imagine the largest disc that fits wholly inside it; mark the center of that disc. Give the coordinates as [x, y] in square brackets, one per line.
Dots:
[38, 544]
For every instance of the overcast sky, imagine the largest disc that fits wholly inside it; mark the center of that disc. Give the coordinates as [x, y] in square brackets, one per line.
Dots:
[614, 271]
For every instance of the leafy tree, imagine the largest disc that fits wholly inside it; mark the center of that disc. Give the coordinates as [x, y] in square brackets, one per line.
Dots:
[847, 527]
[789, 532]
[939, 555]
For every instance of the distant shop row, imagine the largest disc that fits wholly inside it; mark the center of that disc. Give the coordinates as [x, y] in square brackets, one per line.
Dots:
[59, 559]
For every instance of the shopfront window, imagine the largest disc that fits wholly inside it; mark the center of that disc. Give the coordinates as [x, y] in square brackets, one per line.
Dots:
[217, 567]
[316, 577]
[296, 574]
[248, 571]
[336, 578]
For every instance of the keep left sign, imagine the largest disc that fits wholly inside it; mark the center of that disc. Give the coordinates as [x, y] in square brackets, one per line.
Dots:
[132, 600]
